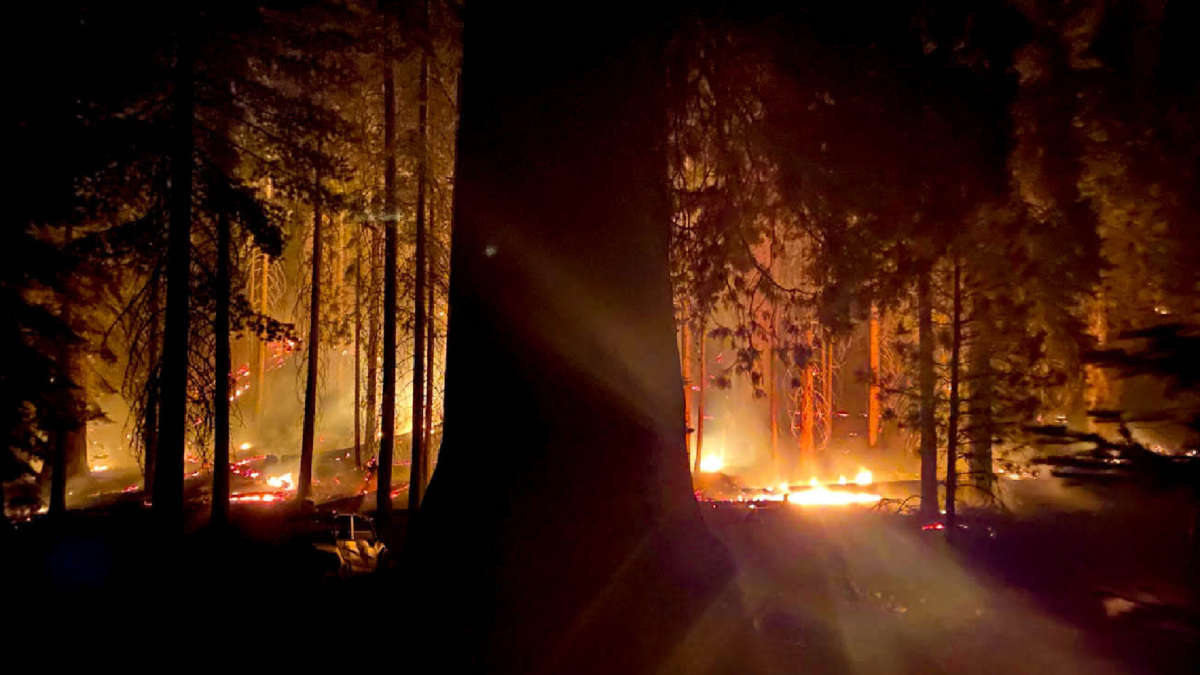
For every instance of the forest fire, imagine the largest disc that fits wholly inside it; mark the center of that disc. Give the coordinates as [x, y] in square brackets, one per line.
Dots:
[697, 265]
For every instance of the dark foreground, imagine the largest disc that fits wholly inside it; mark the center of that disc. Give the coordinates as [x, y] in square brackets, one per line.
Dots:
[827, 590]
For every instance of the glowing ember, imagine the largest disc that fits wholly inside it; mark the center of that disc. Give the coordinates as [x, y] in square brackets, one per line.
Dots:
[712, 464]
[245, 446]
[863, 477]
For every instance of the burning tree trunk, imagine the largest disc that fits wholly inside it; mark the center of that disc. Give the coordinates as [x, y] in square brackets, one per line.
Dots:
[304, 485]
[220, 488]
[387, 438]
[952, 425]
[929, 487]
[418, 467]
[873, 415]
[168, 466]
[560, 294]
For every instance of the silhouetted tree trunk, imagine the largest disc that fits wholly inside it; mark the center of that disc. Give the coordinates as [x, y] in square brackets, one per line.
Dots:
[358, 365]
[70, 441]
[220, 488]
[952, 424]
[685, 346]
[168, 466]
[418, 466]
[262, 342]
[387, 439]
[150, 412]
[304, 485]
[560, 294]
[373, 325]
[431, 315]
[873, 408]
[979, 404]
[808, 409]
[773, 399]
[700, 398]
[827, 391]
[929, 486]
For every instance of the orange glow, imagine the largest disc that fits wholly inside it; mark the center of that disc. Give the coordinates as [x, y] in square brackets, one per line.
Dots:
[712, 463]
[821, 496]
[863, 477]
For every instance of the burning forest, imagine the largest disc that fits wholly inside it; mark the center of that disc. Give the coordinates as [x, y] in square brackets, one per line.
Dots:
[780, 337]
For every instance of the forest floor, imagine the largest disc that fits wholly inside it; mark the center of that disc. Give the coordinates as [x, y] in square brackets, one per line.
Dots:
[859, 591]
[1042, 588]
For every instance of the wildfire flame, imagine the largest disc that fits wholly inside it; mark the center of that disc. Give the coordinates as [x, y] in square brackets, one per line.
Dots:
[712, 463]
[284, 482]
[863, 477]
[822, 496]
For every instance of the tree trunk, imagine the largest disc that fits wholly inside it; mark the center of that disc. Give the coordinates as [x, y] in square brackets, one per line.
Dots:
[262, 342]
[373, 325]
[929, 486]
[70, 441]
[700, 397]
[430, 335]
[827, 391]
[418, 466]
[304, 485]
[220, 488]
[150, 421]
[387, 438]
[168, 467]
[952, 425]
[807, 458]
[772, 399]
[979, 405]
[873, 410]
[560, 294]
[685, 340]
[358, 345]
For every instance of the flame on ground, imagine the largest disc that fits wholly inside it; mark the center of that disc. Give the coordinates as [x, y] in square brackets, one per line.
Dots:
[822, 496]
[712, 463]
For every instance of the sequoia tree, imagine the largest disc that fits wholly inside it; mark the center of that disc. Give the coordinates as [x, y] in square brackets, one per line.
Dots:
[580, 545]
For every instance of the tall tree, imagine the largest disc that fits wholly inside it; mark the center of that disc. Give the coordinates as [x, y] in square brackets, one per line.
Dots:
[418, 467]
[926, 381]
[387, 439]
[221, 398]
[304, 484]
[172, 417]
[562, 294]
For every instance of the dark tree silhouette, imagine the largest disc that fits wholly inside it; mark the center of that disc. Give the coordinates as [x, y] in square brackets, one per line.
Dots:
[580, 545]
